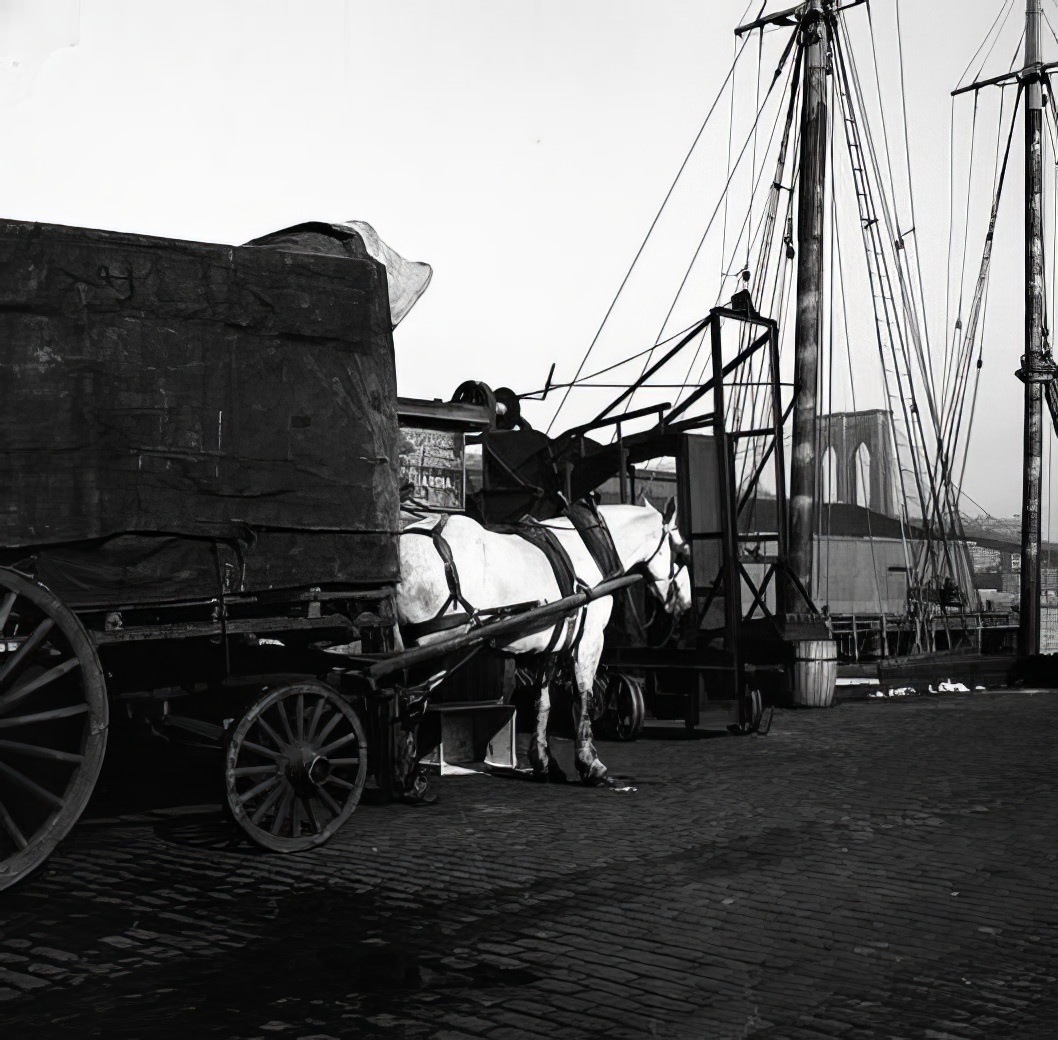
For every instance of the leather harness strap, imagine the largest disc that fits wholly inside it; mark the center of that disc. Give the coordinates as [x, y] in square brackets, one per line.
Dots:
[538, 535]
[597, 539]
[546, 541]
[440, 622]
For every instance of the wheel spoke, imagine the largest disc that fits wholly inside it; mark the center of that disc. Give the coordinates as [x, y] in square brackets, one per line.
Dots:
[43, 716]
[340, 742]
[244, 770]
[300, 715]
[9, 699]
[281, 812]
[36, 751]
[310, 805]
[260, 788]
[260, 749]
[32, 786]
[280, 708]
[329, 728]
[22, 653]
[345, 761]
[331, 803]
[5, 608]
[12, 828]
[317, 714]
[338, 781]
[297, 814]
[267, 804]
[275, 737]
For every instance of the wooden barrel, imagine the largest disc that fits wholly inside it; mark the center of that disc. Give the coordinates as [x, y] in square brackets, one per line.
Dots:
[815, 673]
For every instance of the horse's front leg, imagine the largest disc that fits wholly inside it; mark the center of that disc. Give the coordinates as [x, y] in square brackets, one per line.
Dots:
[585, 663]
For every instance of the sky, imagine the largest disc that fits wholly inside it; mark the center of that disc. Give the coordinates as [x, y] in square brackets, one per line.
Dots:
[520, 147]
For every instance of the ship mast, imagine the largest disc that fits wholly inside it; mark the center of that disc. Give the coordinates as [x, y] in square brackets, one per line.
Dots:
[808, 334]
[1037, 370]
[814, 21]
[1036, 366]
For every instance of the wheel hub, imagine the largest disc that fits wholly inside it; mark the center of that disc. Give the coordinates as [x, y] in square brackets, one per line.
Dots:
[307, 770]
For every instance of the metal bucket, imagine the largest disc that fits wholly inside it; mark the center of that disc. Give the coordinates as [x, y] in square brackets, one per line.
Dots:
[815, 673]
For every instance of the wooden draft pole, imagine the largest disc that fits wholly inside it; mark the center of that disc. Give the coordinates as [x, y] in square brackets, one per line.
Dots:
[1036, 366]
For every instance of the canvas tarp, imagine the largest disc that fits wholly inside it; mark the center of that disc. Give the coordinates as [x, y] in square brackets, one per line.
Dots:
[167, 388]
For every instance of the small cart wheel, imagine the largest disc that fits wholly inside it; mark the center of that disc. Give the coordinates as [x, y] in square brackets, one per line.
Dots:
[53, 723]
[295, 766]
[628, 707]
[599, 698]
[751, 712]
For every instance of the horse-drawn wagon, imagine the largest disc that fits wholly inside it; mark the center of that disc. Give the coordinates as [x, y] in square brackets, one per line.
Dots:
[202, 529]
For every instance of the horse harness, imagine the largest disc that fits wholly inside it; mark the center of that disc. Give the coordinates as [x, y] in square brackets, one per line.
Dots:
[544, 539]
[679, 556]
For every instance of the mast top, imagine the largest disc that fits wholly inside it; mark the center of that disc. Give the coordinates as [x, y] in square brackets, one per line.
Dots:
[795, 15]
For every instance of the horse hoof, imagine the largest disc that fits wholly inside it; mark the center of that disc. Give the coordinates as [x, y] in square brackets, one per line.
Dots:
[595, 775]
[419, 791]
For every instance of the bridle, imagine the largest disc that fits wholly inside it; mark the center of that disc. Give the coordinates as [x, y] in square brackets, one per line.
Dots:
[679, 556]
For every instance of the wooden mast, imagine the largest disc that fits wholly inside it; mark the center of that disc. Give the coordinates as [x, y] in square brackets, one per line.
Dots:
[813, 20]
[809, 329]
[1036, 368]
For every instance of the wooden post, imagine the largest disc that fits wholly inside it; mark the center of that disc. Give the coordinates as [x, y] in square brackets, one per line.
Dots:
[809, 329]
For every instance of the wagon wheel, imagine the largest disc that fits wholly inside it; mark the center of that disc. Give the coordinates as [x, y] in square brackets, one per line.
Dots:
[295, 766]
[627, 705]
[53, 723]
[599, 698]
[751, 711]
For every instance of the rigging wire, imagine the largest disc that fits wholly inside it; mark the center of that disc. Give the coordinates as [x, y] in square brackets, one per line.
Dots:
[1004, 13]
[945, 401]
[840, 267]
[928, 371]
[716, 210]
[910, 183]
[901, 385]
[701, 243]
[980, 293]
[727, 185]
[650, 230]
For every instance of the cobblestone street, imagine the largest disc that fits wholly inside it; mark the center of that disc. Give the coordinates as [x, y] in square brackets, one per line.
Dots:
[881, 869]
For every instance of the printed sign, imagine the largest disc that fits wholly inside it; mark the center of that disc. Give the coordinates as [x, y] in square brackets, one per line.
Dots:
[432, 461]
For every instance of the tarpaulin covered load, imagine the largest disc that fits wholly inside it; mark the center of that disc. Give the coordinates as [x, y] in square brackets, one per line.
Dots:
[241, 401]
[408, 279]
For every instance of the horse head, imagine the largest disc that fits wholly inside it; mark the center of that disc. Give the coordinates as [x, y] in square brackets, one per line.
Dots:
[666, 566]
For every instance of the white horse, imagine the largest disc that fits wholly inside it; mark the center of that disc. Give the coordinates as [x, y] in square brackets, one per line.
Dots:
[498, 570]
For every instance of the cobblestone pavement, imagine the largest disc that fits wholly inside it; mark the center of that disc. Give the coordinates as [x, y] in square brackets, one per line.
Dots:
[881, 869]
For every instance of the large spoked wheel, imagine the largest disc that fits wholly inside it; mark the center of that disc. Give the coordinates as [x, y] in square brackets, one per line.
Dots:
[53, 723]
[295, 767]
[628, 707]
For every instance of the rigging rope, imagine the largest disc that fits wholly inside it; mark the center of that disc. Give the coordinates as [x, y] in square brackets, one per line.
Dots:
[653, 224]
[1004, 13]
